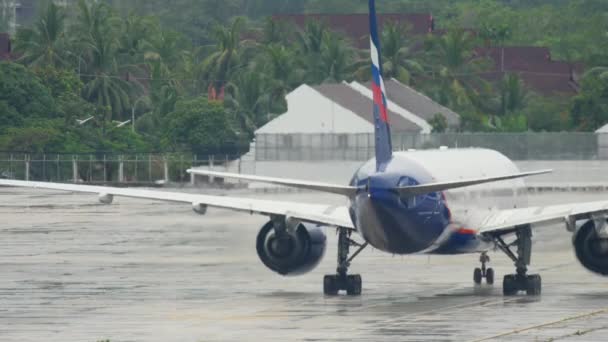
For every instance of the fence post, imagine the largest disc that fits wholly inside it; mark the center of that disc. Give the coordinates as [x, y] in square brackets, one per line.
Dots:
[27, 167]
[121, 169]
[192, 176]
[211, 178]
[166, 169]
[74, 169]
[105, 169]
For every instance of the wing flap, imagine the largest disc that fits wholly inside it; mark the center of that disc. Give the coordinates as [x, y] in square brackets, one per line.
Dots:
[294, 183]
[434, 187]
[315, 213]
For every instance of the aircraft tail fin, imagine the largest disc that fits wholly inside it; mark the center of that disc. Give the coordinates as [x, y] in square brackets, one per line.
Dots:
[384, 146]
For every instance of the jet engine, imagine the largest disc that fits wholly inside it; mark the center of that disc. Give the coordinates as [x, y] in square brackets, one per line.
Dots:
[591, 249]
[294, 251]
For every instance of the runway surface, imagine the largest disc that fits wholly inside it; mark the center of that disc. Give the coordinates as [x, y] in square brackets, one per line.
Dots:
[75, 270]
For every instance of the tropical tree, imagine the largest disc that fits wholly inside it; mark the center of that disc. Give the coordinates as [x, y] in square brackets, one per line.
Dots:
[455, 80]
[105, 79]
[201, 126]
[336, 62]
[398, 58]
[590, 108]
[513, 95]
[250, 98]
[282, 72]
[45, 43]
[276, 31]
[217, 68]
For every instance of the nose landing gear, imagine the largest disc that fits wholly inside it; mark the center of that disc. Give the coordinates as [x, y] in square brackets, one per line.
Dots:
[483, 272]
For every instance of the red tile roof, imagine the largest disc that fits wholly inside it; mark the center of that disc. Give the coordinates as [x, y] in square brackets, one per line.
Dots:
[356, 26]
[5, 46]
[534, 66]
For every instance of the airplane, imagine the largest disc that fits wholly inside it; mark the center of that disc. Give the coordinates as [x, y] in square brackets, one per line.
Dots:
[82, 122]
[121, 124]
[446, 201]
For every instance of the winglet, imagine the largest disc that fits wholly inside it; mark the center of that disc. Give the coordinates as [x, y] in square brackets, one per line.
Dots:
[384, 146]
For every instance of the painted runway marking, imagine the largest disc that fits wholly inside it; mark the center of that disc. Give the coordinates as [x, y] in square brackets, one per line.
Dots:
[543, 325]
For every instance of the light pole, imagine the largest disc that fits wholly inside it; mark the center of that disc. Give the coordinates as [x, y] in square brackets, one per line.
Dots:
[133, 112]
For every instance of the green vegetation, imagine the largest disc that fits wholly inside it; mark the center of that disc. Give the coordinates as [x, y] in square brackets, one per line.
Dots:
[167, 65]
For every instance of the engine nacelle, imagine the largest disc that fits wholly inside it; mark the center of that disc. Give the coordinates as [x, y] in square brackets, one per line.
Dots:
[296, 252]
[200, 209]
[106, 198]
[591, 249]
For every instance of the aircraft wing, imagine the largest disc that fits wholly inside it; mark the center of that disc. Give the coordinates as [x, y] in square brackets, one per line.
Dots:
[506, 220]
[314, 213]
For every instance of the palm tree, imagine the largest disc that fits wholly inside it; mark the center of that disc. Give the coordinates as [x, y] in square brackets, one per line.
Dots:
[275, 31]
[282, 73]
[104, 83]
[336, 59]
[218, 66]
[309, 44]
[45, 43]
[397, 56]
[250, 97]
[455, 69]
[513, 95]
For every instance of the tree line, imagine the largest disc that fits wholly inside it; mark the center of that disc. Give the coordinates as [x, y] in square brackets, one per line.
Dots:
[166, 66]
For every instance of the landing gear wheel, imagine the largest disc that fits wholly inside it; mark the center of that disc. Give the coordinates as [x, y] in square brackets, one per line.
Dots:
[353, 285]
[477, 275]
[490, 276]
[533, 285]
[330, 285]
[342, 281]
[521, 281]
[509, 285]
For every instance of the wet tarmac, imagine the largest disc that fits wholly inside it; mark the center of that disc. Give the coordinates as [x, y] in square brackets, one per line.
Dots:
[75, 270]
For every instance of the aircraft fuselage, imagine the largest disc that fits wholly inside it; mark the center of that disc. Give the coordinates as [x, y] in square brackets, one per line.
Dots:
[442, 222]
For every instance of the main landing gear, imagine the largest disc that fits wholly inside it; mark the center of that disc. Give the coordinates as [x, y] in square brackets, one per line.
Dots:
[483, 272]
[332, 284]
[520, 281]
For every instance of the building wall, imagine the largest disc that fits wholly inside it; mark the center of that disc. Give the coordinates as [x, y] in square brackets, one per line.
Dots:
[310, 112]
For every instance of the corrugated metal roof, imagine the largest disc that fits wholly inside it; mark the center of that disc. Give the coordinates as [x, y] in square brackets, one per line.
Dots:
[351, 99]
[603, 129]
[417, 103]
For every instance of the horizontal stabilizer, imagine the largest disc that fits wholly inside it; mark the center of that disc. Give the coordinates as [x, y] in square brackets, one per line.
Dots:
[434, 187]
[299, 184]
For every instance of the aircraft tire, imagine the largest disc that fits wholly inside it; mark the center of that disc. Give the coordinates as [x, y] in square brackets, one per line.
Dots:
[509, 285]
[533, 285]
[477, 276]
[490, 276]
[354, 285]
[330, 285]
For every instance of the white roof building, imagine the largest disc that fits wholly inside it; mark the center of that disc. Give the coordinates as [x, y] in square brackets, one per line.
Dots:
[346, 108]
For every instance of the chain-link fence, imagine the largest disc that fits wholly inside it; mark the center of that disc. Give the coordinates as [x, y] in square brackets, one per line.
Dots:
[106, 168]
[517, 146]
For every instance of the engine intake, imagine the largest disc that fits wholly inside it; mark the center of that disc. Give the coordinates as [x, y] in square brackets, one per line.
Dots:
[591, 249]
[291, 254]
